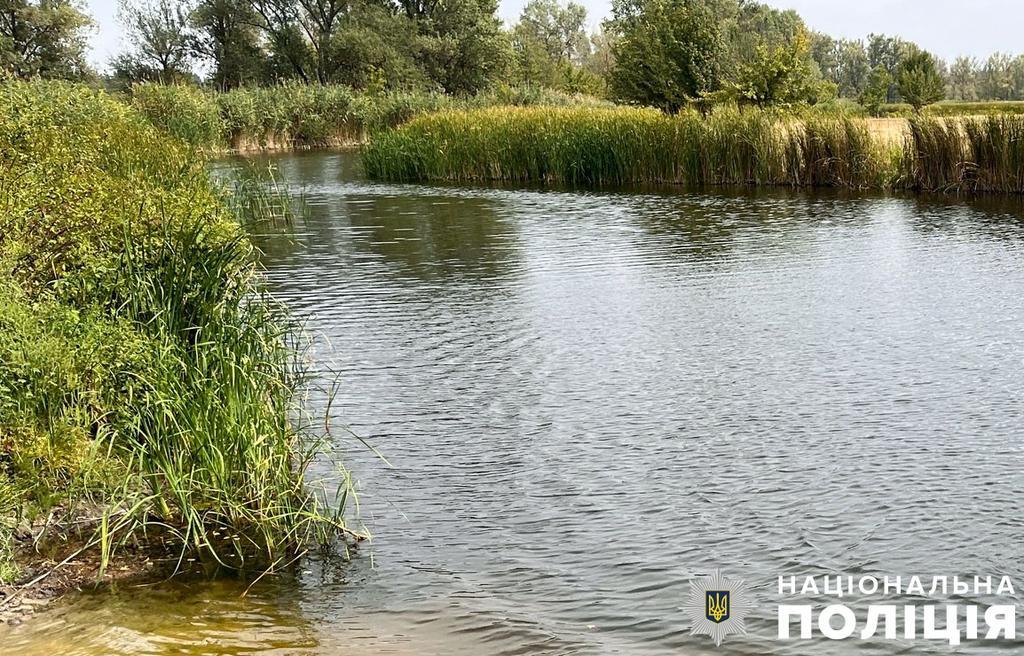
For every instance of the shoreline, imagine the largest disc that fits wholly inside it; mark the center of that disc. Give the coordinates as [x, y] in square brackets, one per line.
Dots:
[56, 561]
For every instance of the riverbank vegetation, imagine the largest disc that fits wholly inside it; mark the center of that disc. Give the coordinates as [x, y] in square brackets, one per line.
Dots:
[669, 55]
[307, 116]
[728, 147]
[149, 389]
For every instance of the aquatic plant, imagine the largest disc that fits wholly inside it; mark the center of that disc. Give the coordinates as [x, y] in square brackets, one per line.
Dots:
[625, 145]
[593, 146]
[294, 115]
[968, 154]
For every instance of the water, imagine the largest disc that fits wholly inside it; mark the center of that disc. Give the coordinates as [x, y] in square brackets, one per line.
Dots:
[587, 399]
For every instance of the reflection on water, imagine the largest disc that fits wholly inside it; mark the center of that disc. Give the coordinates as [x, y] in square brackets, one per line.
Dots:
[590, 398]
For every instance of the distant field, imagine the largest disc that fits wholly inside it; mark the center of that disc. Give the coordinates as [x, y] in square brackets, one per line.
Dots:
[890, 130]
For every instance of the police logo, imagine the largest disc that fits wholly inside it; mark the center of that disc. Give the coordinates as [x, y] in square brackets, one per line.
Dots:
[717, 607]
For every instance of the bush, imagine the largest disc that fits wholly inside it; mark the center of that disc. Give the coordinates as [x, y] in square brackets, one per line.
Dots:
[183, 111]
[141, 367]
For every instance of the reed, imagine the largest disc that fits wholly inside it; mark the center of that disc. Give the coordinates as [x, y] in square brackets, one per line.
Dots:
[594, 146]
[143, 369]
[294, 115]
[976, 154]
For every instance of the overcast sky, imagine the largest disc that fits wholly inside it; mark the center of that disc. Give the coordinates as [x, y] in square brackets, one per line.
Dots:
[945, 27]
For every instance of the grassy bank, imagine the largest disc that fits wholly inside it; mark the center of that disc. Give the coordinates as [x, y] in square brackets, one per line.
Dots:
[146, 381]
[594, 146]
[306, 116]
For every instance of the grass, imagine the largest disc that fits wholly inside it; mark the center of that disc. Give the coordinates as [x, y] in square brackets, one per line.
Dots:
[977, 154]
[600, 146]
[143, 369]
[620, 146]
[306, 116]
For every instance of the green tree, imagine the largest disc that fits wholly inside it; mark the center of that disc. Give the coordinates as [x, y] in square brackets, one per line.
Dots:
[160, 41]
[462, 47]
[550, 45]
[558, 28]
[45, 38]
[919, 79]
[996, 78]
[782, 75]
[963, 79]
[226, 37]
[876, 90]
[888, 52]
[666, 52]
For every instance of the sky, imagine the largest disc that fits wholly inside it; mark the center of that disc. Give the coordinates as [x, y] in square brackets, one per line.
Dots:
[946, 27]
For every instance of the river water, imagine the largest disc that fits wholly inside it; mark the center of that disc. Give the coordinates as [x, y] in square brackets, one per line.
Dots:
[585, 400]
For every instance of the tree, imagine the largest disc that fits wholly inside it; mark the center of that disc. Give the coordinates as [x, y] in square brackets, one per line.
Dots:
[666, 51]
[557, 28]
[462, 47]
[550, 45]
[887, 52]
[919, 79]
[853, 68]
[45, 38]
[996, 78]
[161, 44]
[782, 75]
[876, 90]
[226, 37]
[963, 79]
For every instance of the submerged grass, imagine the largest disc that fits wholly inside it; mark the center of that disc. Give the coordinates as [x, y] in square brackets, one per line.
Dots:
[143, 370]
[596, 146]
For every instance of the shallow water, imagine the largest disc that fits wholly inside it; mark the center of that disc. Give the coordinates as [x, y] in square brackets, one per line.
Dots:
[587, 399]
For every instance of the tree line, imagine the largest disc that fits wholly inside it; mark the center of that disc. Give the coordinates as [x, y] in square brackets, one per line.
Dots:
[663, 53]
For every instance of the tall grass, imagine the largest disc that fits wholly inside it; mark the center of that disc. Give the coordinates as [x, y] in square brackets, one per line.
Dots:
[595, 146]
[297, 115]
[143, 369]
[621, 145]
[978, 154]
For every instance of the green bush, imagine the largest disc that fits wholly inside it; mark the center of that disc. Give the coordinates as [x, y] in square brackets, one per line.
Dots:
[183, 111]
[141, 366]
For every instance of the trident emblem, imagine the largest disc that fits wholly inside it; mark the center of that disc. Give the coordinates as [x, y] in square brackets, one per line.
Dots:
[717, 605]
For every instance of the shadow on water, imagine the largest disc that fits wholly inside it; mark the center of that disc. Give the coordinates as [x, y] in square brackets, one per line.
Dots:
[431, 237]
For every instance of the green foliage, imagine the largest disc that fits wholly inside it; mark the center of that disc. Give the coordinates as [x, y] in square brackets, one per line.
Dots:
[782, 76]
[44, 38]
[615, 146]
[876, 91]
[310, 115]
[225, 35]
[183, 111]
[141, 367]
[919, 80]
[666, 53]
[161, 47]
[593, 146]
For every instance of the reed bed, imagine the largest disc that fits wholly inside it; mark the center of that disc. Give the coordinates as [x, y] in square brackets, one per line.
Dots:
[612, 146]
[297, 115]
[977, 154]
[626, 146]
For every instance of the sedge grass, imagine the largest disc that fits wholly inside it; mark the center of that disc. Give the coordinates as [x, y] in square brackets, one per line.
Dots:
[598, 146]
[143, 369]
